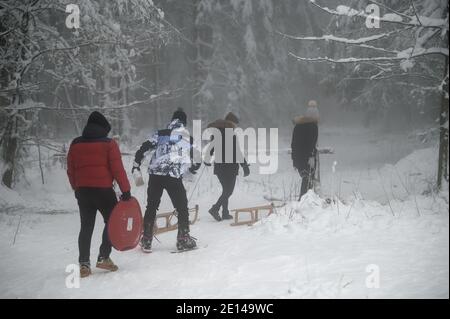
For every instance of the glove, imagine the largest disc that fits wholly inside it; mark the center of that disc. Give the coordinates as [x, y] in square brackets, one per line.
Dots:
[246, 170]
[136, 166]
[126, 196]
[312, 161]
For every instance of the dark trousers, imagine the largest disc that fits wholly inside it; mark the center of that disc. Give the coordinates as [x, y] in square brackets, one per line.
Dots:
[307, 176]
[90, 200]
[228, 181]
[177, 193]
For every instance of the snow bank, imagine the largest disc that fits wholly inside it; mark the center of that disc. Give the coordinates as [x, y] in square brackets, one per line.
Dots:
[9, 198]
[54, 194]
[314, 214]
[409, 188]
[339, 243]
[416, 173]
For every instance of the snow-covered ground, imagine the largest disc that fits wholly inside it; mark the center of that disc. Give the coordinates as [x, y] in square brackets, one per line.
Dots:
[383, 217]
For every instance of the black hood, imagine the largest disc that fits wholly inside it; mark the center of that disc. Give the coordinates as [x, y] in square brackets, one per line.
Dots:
[180, 115]
[97, 126]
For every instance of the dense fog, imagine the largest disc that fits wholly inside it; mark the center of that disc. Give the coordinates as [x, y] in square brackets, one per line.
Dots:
[356, 91]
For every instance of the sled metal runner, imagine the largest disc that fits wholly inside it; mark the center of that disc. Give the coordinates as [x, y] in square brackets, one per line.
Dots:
[169, 224]
[254, 214]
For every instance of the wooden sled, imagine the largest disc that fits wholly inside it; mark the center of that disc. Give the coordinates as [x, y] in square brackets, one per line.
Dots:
[169, 225]
[254, 214]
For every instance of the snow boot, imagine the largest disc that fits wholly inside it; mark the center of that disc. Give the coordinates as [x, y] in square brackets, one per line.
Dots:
[215, 213]
[146, 244]
[85, 270]
[226, 215]
[185, 241]
[106, 264]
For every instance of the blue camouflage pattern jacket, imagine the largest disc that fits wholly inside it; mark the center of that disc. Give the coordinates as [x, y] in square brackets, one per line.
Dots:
[172, 151]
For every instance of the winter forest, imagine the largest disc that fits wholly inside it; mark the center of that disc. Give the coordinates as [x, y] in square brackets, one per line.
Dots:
[364, 214]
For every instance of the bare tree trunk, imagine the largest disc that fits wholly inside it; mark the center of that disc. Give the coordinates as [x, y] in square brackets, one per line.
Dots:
[157, 86]
[9, 151]
[38, 144]
[198, 72]
[202, 34]
[69, 101]
[10, 142]
[443, 138]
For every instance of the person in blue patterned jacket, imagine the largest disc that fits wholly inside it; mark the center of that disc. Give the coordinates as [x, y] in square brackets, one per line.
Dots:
[172, 158]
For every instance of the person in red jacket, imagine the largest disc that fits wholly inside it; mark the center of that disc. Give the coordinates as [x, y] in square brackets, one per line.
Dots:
[93, 163]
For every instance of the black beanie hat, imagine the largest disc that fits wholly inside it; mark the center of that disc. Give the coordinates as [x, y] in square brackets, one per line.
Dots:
[99, 119]
[180, 115]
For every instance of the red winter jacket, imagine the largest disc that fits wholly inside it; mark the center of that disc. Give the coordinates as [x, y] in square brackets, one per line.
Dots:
[96, 162]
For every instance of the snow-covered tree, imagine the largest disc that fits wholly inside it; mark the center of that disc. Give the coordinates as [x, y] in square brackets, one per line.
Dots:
[244, 63]
[82, 68]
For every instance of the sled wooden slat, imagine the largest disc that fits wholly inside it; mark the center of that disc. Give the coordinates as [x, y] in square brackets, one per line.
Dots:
[168, 225]
[254, 214]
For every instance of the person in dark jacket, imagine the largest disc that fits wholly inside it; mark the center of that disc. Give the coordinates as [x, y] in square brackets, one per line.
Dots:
[226, 172]
[93, 163]
[304, 142]
[171, 159]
